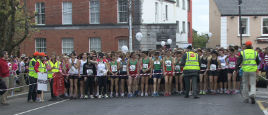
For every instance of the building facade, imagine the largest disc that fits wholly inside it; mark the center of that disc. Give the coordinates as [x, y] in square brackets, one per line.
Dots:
[63, 26]
[224, 23]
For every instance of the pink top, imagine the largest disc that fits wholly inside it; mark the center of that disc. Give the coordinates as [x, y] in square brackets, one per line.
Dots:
[232, 62]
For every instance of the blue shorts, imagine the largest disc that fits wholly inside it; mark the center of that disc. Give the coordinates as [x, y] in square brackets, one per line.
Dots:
[157, 75]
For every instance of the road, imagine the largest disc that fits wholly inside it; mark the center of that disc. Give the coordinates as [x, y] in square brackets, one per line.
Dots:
[173, 105]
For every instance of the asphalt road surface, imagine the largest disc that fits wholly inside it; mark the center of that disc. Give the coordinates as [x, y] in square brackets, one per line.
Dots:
[173, 105]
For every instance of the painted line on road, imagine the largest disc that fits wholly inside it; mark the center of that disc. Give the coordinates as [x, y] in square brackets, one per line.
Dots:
[41, 107]
[261, 105]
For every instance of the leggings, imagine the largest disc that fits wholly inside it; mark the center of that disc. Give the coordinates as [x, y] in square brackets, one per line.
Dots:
[89, 84]
[32, 89]
[102, 80]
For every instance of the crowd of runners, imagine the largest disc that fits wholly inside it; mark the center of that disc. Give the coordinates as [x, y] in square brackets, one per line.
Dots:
[141, 73]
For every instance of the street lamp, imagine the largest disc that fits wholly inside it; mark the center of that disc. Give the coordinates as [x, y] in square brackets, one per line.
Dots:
[240, 24]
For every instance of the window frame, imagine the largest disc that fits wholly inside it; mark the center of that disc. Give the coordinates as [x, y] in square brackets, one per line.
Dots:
[96, 13]
[118, 13]
[178, 3]
[43, 40]
[67, 13]
[62, 45]
[183, 5]
[96, 49]
[248, 26]
[39, 4]
[262, 34]
[183, 27]
[166, 10]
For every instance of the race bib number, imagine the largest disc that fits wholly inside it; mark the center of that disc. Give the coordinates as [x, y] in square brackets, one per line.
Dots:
[203, 65]
[168, 63]
[213, 67]
[177, 67]
[132, 67]
[114, 68]
[156, 62]
[89, 72]
[223, 65]
[232, 64]
[145, 66]
[124, 67]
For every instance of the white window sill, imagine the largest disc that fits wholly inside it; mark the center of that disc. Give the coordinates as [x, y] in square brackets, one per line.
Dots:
[40, 24]
[244, 35]
[264, 35]
[122, 22]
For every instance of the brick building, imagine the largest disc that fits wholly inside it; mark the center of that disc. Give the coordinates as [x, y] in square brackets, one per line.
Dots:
[85, 25]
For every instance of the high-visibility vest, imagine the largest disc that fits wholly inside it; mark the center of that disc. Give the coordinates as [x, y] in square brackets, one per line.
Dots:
[42, 67]
[192, 62]
[249, 63]
[56, 68]
[32, 72]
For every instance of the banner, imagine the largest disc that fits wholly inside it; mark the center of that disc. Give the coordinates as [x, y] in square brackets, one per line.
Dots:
[42, 81]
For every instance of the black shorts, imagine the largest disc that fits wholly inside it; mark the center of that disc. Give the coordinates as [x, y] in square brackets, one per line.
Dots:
[231, 71]
[148, 73]
[73, 77]
[223, 75]
[213, 73]
[123, 75]
[157, 74]
[202, 71]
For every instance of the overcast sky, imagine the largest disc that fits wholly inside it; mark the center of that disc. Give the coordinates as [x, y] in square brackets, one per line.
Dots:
[201, 15]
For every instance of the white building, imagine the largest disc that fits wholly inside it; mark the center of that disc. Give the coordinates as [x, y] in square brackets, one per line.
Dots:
[162, 20]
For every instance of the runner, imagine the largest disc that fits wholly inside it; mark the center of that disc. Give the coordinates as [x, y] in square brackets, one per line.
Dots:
[113, 69]
[178, 75]
[222, 72]
[82, 78]
[145, 69]
[168, 72]
[231, 62]
[102, 76]
[213, 65]
[74, 65]
[133, 73]
[123, 73]
[203, 77]
[157, 71]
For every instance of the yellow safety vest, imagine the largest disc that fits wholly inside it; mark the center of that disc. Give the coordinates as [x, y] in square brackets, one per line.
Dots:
[56, 68]
[192, 62]
[249, 63]
[42, 67]
[32, 72]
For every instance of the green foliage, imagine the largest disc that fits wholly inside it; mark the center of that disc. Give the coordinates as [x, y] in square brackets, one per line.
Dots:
[15, 24]
[199, 41]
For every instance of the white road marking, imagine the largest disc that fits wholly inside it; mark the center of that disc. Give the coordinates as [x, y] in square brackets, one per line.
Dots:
[41, 107]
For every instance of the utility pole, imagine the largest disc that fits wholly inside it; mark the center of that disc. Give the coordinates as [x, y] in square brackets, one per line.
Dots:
[130, 26]
[240, 22]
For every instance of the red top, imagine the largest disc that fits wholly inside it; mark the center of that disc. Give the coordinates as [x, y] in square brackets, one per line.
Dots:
[104, 60]
[4, 70]
[36, 66]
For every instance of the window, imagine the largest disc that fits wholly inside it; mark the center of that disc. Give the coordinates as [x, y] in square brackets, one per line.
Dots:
[166, 12]
[95, 44]
[156, 11]
[67, 13]
[188, 5]
[123, 11]
[67, 45]
[178, 3]
[40, 45]
[265, 26]
[183, 4]
[94, 11]
[183, 27]
[122, 42]
[40, 13]
[189, 29]
[245, 26]
[178, 26]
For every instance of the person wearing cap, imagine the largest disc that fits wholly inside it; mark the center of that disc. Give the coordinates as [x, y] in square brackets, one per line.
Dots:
[32, 78]
[191, 67]
[249, 61]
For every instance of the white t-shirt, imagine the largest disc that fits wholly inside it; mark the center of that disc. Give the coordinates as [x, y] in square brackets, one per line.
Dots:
[101, 69]
[22, 66]
[223, 62]
[73, 70]
[82, 62]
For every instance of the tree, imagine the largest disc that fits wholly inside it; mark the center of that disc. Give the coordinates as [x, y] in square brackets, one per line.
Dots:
[199, 41]
[14, 24]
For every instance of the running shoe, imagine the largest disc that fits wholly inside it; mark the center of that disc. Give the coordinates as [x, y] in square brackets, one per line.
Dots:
[111, 95]
[86, 97]
[100, 96]
[106, 96]
[204, 92]
[157, 94]
[190, 93]
[122, 95]
[129, 95]
[166, 94]
[141, 94]
[91, 97]
[116, 95]
[233, 92]
[201, 92]
[228, 92]
[136, 93]
[146, 94]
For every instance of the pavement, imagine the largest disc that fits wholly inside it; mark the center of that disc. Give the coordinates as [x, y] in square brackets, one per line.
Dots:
[173, 105]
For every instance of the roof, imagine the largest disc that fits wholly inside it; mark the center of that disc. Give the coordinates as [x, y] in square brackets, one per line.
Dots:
[248, 7]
